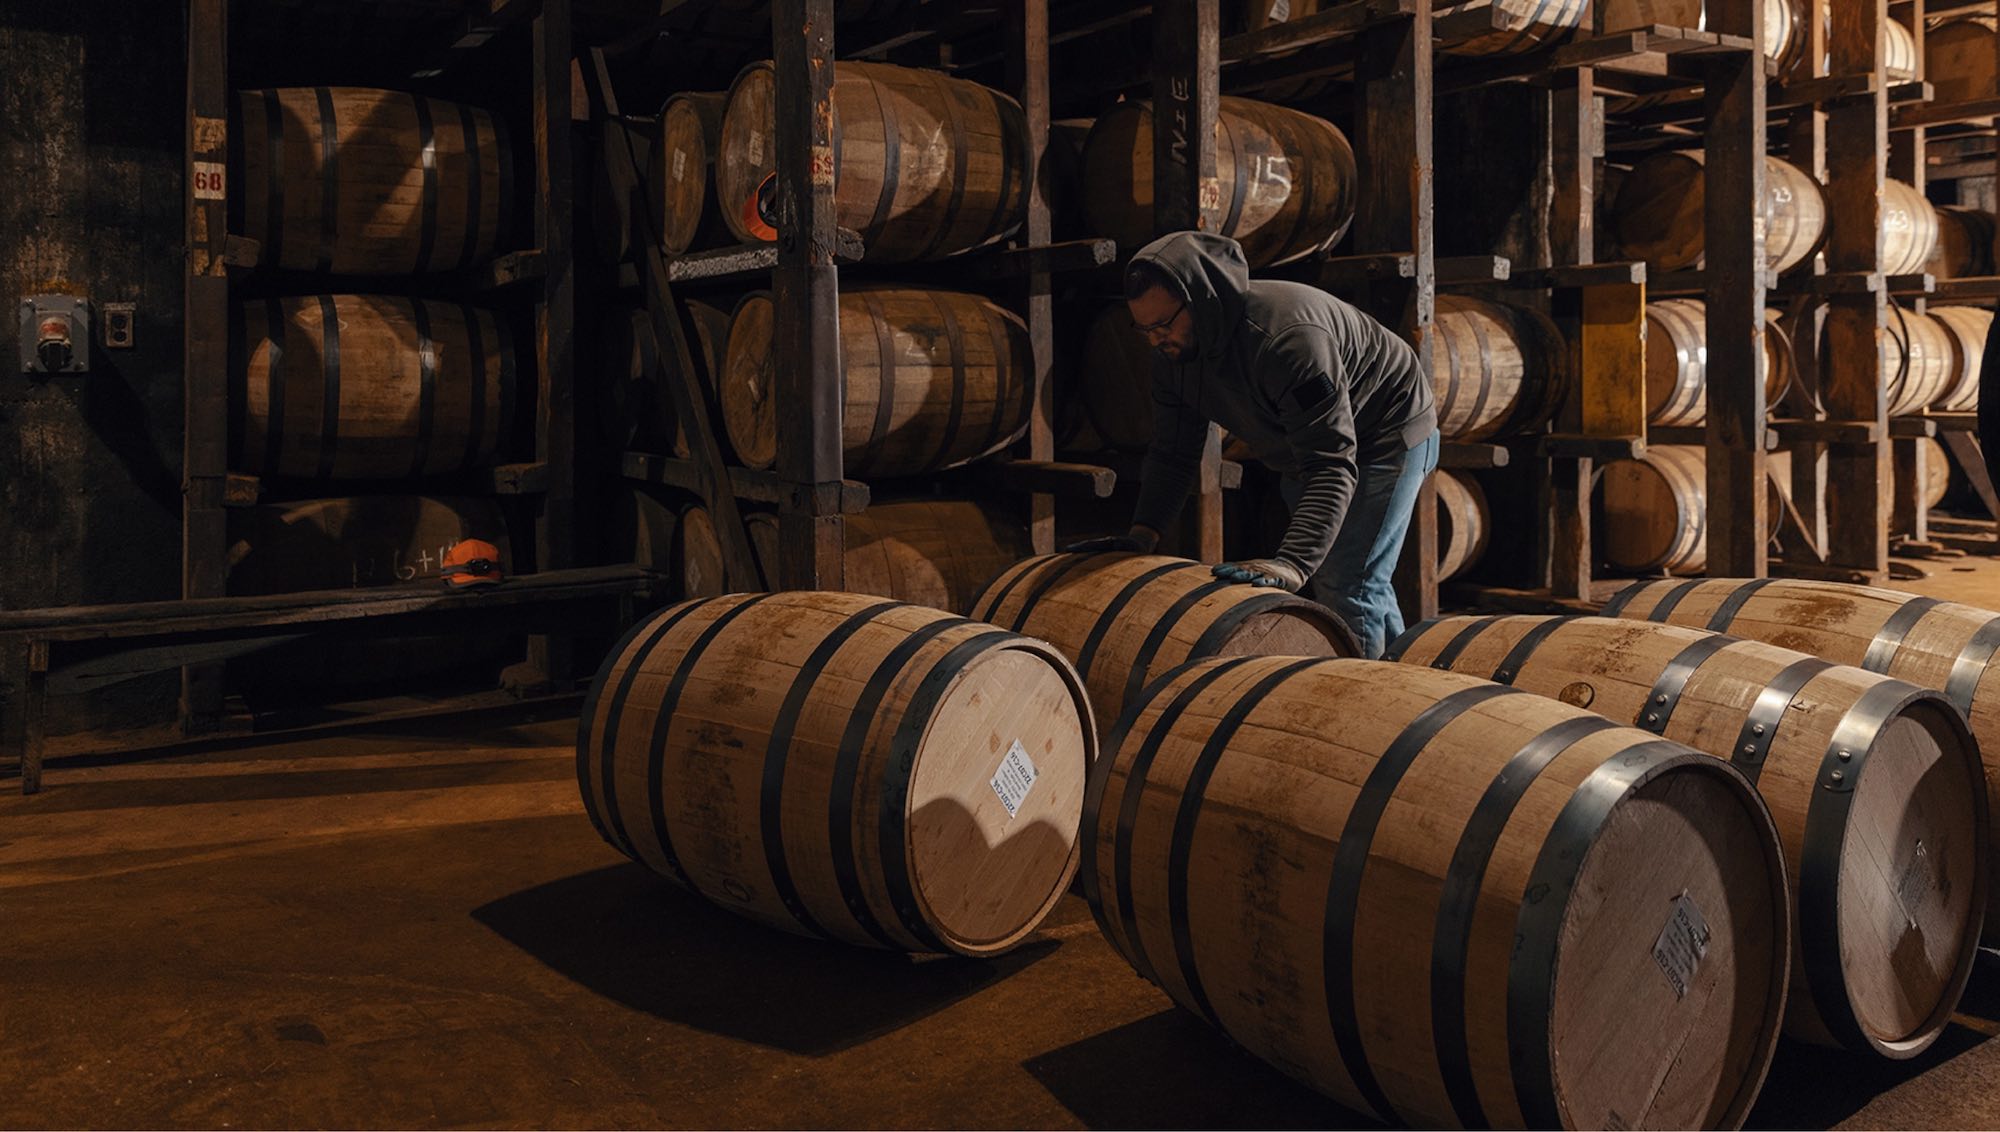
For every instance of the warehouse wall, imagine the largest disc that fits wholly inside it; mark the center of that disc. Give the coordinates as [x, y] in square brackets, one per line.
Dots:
[91, 97]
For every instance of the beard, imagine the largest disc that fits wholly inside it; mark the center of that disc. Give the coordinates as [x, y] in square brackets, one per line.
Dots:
[1170, 351]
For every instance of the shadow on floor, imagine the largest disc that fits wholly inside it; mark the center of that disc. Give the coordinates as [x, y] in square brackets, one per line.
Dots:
[1170, 1070]
[1813, 1087]
[629, 936]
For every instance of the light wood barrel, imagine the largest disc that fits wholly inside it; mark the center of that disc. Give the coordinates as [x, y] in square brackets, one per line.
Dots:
[1496, 370]
[699, 554]
[1937, 471]
[1287, 179]
[1923, 359]
[1659, 212]
[1782, 21]
[762, 527]
[1464, 522]
[1326, 859]
[1125, 620]
[1930, 643]
[926, 166]
[844, 767]
[365, 540]
[1875, 785]
[1655, 510]
[1964, 244]
[938, 553]
[1959, 59]
[1967, 328]
[1899, 51]
[368, 387]
[683, 172]
[355, 181]
[1909, 228]
[929, 379]
[1505, 27]
[1113, 390]
[1677, 362]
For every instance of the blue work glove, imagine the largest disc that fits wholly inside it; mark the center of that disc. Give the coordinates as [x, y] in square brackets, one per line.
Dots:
[1276, 573]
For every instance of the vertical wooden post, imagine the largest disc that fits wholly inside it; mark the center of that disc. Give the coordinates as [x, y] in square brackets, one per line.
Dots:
[549, 660]
[1601, 357]
[1738, 527]
[1858, 475]
[1187, 77]
[805, 295]
[205, 349]
[1392, 136]
[1028, 77]
[1806, 148]
[1910, 516]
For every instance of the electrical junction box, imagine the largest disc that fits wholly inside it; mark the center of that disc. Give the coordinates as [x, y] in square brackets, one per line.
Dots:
[55, 334]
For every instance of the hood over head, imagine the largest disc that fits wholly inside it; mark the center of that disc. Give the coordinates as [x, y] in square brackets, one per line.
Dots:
[1213, 276]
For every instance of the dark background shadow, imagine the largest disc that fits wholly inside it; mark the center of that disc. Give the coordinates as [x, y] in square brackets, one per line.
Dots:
[1814, 1087]
[631, 937]
[1114, 1080]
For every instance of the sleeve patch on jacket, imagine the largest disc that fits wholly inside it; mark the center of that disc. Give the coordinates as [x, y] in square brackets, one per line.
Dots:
[1314, 392]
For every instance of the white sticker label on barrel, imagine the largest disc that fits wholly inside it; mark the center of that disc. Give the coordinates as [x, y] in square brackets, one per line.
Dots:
[1682, 945]
[756, 148]
[680, 163]
[1014, 778]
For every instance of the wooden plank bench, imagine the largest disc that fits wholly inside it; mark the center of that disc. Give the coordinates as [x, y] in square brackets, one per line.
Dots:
[46, 652]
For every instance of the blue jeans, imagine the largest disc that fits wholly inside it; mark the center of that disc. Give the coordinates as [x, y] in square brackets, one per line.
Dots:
[1357, 578]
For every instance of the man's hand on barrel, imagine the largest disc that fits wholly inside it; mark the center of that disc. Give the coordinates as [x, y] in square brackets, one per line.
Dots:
[1276, 573]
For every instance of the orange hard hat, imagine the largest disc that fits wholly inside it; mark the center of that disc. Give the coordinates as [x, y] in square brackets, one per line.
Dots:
[760, 212]
[473, 562]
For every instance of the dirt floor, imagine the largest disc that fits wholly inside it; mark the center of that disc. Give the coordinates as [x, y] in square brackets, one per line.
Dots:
[416, 926]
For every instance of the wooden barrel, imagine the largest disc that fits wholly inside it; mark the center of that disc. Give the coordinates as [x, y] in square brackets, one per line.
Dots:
[1936, 474]
[1783, 23]
[1875, 785]
[1964, 244]
[1920, 350]
[929, 379]
[699, 558]
[1899, 52]
[1112, 392]
[1464, 522]
[1677, 362]
[844, 767]
[614, 215]
[368, 387]
[1659, 212]
[1959, 59]
[1909, 228]
[1966, 328]
[1930, 643]
[1441, 900]
[354, 181]
[762, 527]
[1655, 510]
[642, 526]
[927, 166]
[365, 540]
[1287, 180]
[1496, 370]
[1125, 620]
[934, 552]
[683, 172]
[1504, 27]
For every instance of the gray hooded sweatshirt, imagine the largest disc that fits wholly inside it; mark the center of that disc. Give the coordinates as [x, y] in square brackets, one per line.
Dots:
[1313, 385]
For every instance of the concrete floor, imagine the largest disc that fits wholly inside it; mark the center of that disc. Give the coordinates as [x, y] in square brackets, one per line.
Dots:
[416, 926]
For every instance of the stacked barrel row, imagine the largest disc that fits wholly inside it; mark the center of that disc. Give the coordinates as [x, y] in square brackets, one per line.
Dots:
[1440, 949]
[927, 167]
[367, 378]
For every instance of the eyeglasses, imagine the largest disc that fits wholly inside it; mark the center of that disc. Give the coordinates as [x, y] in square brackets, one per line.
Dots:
[1153, 328]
